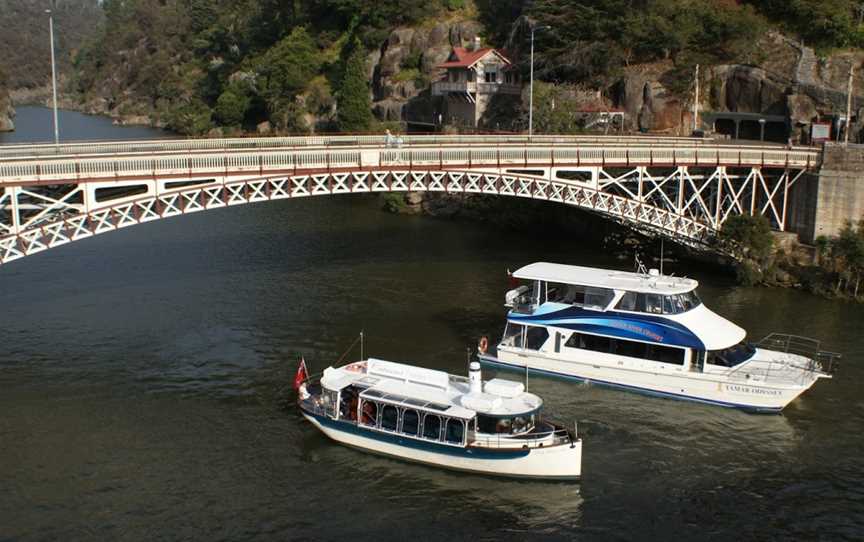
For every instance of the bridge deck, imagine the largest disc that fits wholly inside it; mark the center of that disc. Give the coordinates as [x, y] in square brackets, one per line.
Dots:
[86, 162]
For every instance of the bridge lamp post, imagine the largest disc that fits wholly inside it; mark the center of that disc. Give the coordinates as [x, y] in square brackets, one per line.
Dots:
[531, 84]
[761, 129]
[53, 75]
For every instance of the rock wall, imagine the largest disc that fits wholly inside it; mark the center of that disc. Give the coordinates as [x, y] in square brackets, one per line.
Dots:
[406, 64]
[6, 111]
[789, 80]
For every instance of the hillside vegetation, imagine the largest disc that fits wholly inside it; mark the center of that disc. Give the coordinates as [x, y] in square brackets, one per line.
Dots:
[196, 64]
[25, 53]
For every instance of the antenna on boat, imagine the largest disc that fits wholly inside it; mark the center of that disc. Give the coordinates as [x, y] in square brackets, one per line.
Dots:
[361, 345]
[661, 255]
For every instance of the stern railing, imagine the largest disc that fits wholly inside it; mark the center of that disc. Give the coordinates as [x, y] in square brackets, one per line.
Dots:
[554, 437]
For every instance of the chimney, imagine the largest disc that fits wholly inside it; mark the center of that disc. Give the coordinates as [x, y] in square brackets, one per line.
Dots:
[475, 44]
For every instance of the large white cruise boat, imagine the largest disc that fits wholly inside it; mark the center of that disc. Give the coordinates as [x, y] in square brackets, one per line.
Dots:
[649, 333]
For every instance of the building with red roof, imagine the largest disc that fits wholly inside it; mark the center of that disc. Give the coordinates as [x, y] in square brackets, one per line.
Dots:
[473, 75]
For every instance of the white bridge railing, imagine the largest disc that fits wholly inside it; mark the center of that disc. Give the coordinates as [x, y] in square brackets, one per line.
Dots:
[161, 146]
[239, 161]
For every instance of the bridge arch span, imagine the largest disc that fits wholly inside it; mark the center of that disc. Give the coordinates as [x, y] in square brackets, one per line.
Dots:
[84, 212]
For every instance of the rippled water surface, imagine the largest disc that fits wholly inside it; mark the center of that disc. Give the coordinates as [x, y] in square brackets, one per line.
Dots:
[144, 373]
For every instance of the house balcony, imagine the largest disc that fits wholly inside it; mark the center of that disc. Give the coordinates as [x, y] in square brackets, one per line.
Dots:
[444, 87]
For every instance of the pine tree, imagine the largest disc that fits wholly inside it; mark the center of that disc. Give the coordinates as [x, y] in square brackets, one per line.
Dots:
[354, 113]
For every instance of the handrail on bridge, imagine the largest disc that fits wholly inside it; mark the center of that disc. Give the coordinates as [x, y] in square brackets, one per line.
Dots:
[49, 151]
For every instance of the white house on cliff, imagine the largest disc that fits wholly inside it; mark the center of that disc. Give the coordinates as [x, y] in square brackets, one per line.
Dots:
[474, 75]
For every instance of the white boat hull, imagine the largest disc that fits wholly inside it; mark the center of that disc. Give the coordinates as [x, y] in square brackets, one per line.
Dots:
[553, 462]
[666, 381]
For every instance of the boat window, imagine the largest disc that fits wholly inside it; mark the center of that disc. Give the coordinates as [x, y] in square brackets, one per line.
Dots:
[431, 427]
[486, 424]
[579, 295]
[348, 404]
[329, 398]
[389, 417]
[410, 422]
[512, 335]
[623, 347]
[455, 431]
[369, 413]
[732, 356]
[589, 342]
[657, 304]
[628, 302]
[653, 303]
[664, 354]
[521, 424]
[690, 300]
[535, 337]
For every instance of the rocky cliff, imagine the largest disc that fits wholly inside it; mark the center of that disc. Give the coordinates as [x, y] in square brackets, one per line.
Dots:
[402, 69]
[6, 111]
[790, 80]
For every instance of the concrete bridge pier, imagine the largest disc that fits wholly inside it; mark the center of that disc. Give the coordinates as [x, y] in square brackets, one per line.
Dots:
[827, 198]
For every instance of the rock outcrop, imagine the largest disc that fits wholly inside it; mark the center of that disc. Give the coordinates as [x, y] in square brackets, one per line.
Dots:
[789, 81]
[405, 65]
[6, 111]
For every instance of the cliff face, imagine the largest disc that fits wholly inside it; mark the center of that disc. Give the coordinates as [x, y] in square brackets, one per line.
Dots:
[6, 111]
[405, 65]
[789, 81]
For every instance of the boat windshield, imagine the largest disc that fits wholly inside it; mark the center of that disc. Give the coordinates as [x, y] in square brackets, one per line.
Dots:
[657, 303]
[732, 356]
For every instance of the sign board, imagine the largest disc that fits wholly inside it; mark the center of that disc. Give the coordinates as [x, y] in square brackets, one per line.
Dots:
[820, 131]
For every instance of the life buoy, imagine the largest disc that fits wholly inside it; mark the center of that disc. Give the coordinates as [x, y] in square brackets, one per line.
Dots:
[483, 345]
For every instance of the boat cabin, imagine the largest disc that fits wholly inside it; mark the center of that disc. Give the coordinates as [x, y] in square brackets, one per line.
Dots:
[428, 405]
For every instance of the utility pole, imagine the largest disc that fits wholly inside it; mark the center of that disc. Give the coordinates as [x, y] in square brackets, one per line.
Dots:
[696, 100]
[53, 74]
[531, 84]
[849, 104]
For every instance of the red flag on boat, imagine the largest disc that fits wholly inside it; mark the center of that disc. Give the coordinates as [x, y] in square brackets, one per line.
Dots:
[301, 375]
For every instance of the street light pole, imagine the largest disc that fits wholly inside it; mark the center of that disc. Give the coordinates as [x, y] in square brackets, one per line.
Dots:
[531, 84]
[53, 75]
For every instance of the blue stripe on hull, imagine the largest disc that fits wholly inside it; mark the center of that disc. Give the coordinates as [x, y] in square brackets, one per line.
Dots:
[426, 446]
[644, 391]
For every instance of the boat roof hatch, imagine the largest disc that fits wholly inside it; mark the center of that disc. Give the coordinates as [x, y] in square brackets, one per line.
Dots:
[605, 278]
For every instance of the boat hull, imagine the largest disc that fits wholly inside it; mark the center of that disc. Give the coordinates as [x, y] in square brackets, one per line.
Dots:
[748, 396]
[562, 462]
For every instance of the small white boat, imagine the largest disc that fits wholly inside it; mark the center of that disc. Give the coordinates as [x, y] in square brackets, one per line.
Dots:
[648, 333]
[436, 418]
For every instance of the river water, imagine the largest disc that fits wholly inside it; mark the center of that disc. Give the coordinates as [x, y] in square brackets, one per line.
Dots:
[144, 373]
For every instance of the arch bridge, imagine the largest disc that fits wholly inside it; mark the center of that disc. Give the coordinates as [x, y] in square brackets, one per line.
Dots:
[684, 188]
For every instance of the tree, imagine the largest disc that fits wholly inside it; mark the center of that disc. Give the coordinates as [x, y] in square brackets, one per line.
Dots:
[354, 106]
[749, 240]
[285, 70]
[231, 106]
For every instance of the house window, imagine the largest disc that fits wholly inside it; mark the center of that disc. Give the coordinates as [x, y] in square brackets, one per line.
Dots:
[491, 77]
